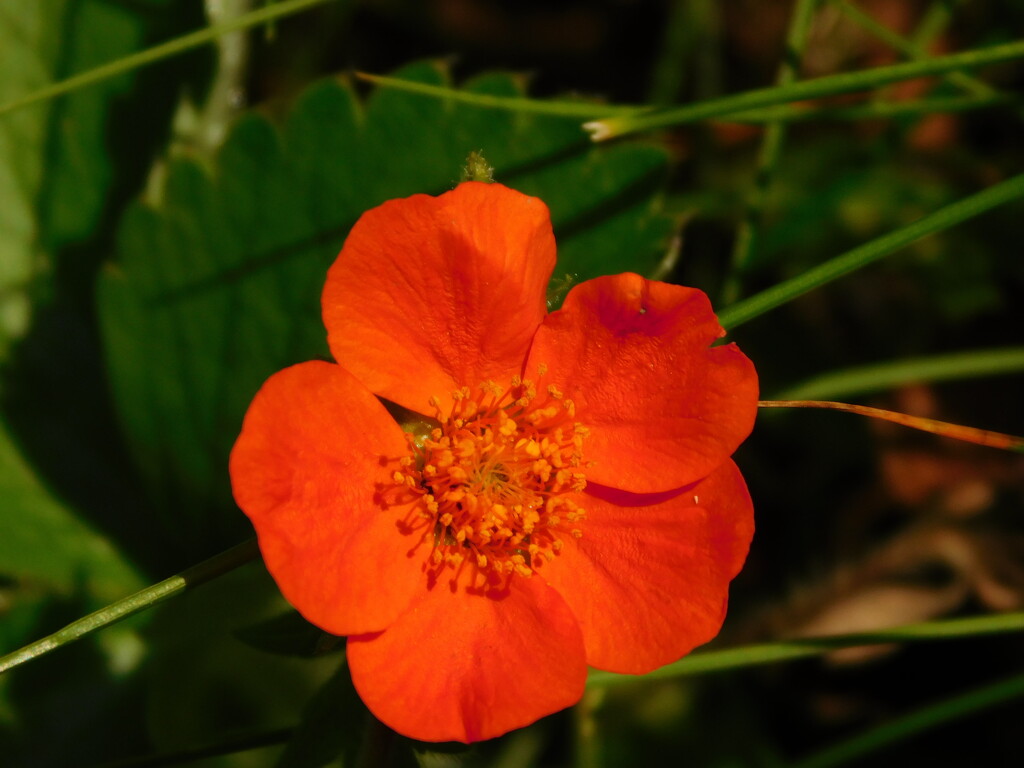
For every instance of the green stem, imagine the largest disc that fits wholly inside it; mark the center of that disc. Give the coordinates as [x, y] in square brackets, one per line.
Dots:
[916, 722]
[872, 110]
[874, 250]
[555, 108]
[162, 51]
[934, 22]
[831, 85]
[874, 378]
[768, 157]
[192, 577]
[911, 50]
[680, 37]
[579, 109]
[785, 650]
[588, 744]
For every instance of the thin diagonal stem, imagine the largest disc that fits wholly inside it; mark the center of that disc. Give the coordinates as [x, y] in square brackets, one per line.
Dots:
[192, 577]
[911, 50]
[680, 35]
[881, 376]
[955, 213]
[553, 107]
[162, 51]
[934, 22]
[943, 428]
[923, 719]
[704, 662]
[771, 148]
[832, 85]
[873, 110]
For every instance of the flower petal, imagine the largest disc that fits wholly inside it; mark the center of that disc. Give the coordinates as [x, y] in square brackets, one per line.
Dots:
[650, 583]
[306, 470]
[430, 294]
[663, 407]
[464, 667]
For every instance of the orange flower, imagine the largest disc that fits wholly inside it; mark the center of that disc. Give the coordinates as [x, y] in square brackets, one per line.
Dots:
[567, 498]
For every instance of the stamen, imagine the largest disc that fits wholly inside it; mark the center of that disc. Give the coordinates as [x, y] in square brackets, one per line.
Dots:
[498, 481]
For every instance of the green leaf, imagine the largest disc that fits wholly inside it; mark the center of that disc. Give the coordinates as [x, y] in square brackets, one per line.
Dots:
[55, 168]
[44, 544]
[218, 285]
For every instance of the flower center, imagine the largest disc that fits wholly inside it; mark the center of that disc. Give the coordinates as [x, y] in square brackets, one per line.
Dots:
[496, 479]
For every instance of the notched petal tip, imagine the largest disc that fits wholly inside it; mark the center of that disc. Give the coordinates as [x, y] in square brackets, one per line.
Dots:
[664, 407]
[430, 294]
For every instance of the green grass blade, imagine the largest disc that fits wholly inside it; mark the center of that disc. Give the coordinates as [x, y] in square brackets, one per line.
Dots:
[832, 85]
[681, 36]
[509, 103]
[934, 22]
[767, 653]
[916, 722]
[747, 238]
[581, 109]
[910, 49]
[162, 51]
[874, 110]
[874, 378]
[205, 571]
[863, 255]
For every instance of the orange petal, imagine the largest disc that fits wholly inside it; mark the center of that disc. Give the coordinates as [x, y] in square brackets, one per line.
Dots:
[650, 583]
[663, 407]
[305, 470]
[465, 667]
[431, 294]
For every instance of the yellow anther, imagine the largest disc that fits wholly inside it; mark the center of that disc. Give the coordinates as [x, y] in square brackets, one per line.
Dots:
[496, 479]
